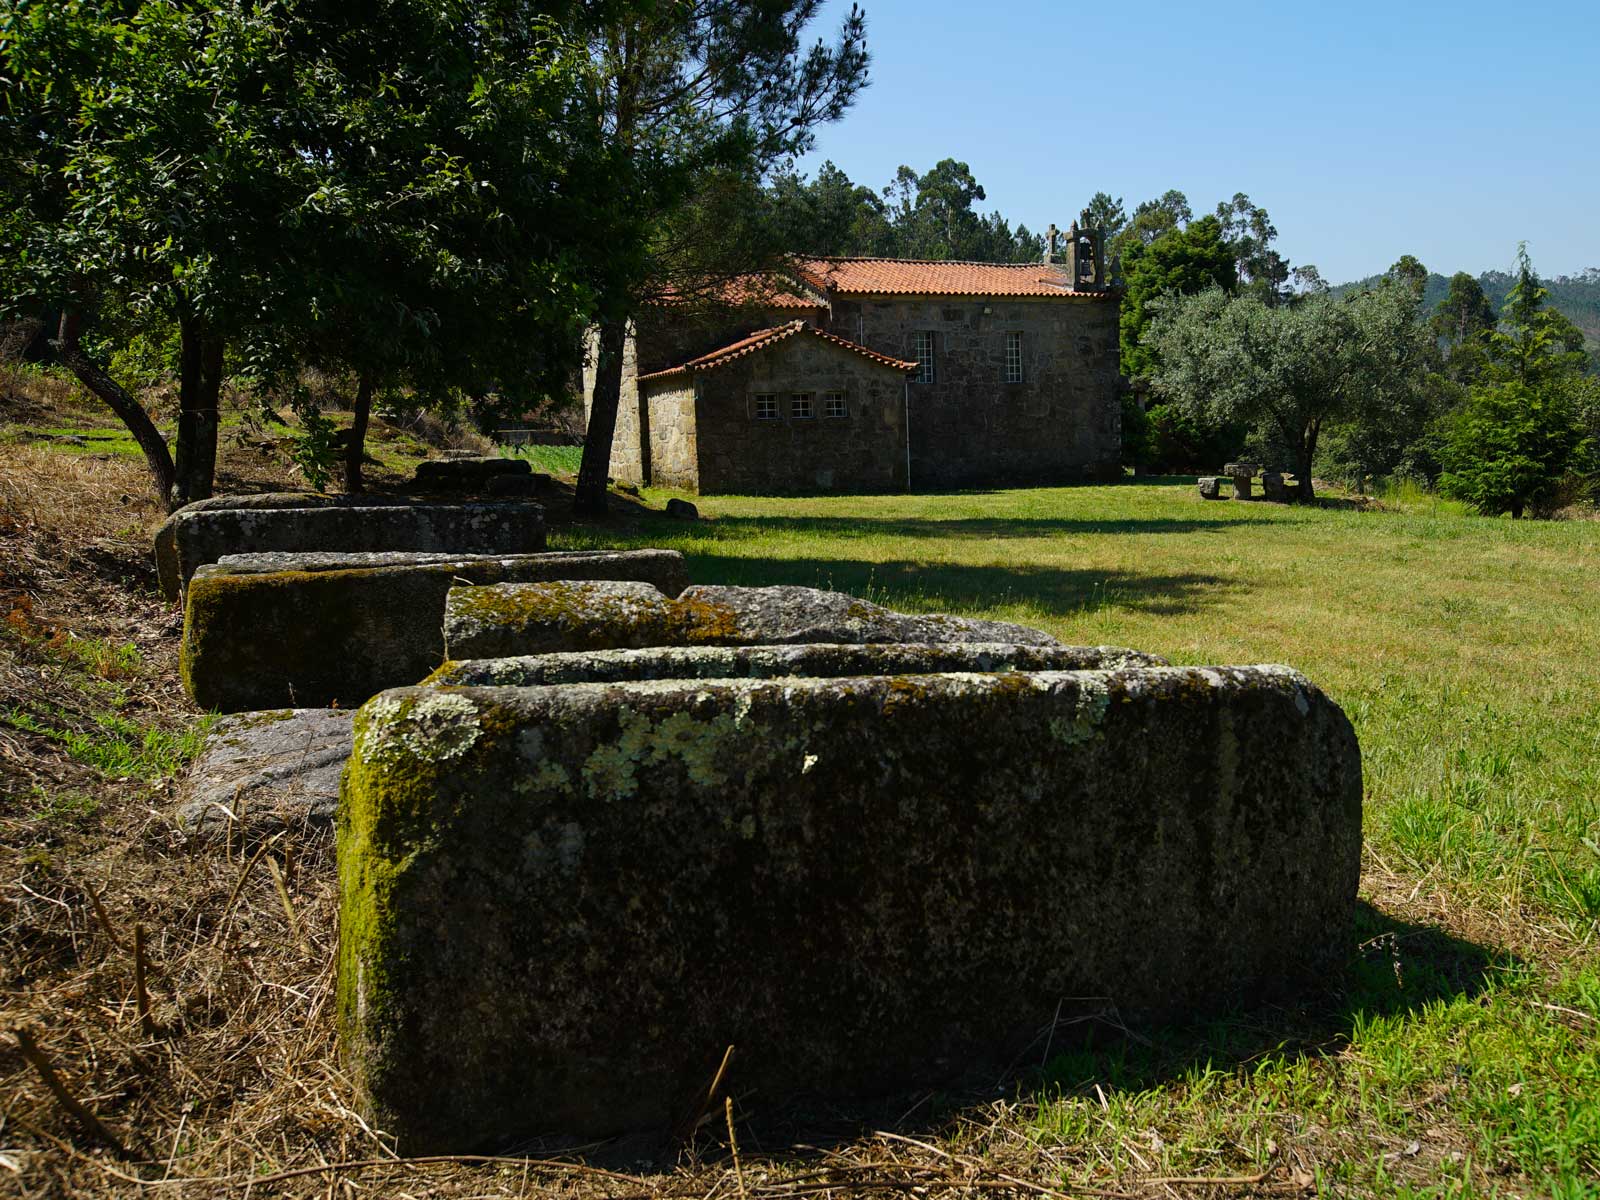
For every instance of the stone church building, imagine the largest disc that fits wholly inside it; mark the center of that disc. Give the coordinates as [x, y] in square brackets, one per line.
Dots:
[868, 374]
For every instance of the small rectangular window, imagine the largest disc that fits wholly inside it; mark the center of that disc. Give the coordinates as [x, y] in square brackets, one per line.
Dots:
[924, 356]
[766, 408]
[833, 404]
[1013, 358]
[800, 406]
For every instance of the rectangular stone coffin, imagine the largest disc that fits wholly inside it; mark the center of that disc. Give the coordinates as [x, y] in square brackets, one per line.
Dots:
[297, 630]
[541, 618]
[559, 905]
[204, 532]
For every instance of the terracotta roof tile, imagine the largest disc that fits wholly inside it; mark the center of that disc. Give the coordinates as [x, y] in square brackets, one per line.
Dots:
[905, 276]
[763, 338]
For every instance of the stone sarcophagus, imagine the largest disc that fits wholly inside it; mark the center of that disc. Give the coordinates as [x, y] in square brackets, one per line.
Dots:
[279, 630]
[293, 522]
[559, 904]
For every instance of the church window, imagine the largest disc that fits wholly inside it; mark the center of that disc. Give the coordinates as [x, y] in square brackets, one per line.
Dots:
[800, 406]
[833, 404]
[766, 408]
[924, 355]
[1014, 357]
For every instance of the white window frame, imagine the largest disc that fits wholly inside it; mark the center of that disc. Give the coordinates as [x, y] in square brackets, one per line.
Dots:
[1014, 356]
[799, 401]
[767, 401]
[923, 352]
[833, 405]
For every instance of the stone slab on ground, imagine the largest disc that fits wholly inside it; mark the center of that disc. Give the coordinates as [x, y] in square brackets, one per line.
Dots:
[827, 661]
[511, 619]
[195, 536]
[267, 771]
[559, 905]
[274, 630]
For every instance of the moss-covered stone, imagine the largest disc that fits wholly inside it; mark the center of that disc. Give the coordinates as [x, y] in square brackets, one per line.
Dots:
[172, 578]
[558, 905]
[268, 631]
[828, 661]
[508, 620]
[204, 532]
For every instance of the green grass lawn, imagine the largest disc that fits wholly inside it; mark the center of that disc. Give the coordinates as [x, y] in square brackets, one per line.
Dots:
[1460, 1055]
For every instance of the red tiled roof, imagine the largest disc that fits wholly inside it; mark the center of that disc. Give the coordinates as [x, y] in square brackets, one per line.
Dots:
[765, 291]
[763, 338]
[906, 276]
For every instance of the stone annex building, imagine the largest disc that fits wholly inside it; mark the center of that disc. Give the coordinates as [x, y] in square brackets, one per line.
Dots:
[871, 374]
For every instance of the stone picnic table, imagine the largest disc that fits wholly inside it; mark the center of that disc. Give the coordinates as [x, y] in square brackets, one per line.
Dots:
[1273, 486]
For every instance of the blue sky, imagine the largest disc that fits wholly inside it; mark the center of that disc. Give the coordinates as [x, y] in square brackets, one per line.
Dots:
[1446, 130]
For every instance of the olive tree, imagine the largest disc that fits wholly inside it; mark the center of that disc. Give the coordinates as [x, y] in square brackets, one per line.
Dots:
[1292, 370]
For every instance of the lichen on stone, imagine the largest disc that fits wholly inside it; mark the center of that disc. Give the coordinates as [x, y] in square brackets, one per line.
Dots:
[431, 727]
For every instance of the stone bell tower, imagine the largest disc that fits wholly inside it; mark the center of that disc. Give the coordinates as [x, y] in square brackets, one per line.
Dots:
[1086, 255]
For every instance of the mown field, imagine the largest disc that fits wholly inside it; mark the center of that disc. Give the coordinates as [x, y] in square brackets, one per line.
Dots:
[1458, 1054]
[1463, 1051]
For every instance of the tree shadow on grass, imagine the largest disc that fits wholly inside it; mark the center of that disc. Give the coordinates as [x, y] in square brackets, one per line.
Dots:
[961, 588]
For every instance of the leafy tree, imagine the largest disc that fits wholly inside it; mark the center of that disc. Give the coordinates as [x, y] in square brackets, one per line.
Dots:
[1462, 322]
[931, 216]
[1508, 447]
[1291, 370]
[1249, 232]
[454, 182]
[1308, 281]
[1536, 343]
[1182, 261]
[683, 91]
[1408, 271]
[139, 194]
[409, 192]
[1151, 220]
[1526, 428]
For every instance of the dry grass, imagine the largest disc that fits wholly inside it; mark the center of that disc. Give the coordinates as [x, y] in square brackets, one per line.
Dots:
[235, 1089]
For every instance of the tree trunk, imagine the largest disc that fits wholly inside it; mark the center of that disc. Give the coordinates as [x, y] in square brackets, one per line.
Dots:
[132, 414]
[356, 448]
[589, 498]
[199, 383]
[1302, 468]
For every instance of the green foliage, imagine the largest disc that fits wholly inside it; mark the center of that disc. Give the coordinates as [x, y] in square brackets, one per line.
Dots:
[1535, 343]
[1181, 261]
[1463, 321]
[1293, 369]
[315, 449]
[1524, 438]
[928, 216]
[1509, 447]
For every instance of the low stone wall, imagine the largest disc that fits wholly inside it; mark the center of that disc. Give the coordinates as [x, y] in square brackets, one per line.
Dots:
[559, 905]
[204, 532]
[283, 630]
[508, 619]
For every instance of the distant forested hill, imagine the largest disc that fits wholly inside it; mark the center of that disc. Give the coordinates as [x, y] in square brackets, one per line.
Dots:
[1577, 296]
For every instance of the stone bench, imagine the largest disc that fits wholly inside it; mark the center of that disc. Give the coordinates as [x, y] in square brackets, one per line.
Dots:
[299, 630]
[205, 531]
[511, 619]
[559, 905]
